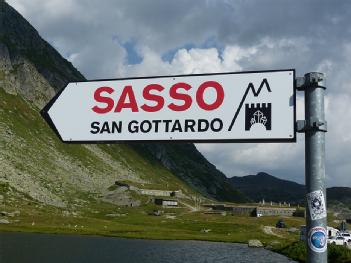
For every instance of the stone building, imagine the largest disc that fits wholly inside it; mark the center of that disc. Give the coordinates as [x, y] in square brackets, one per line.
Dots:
[253, 210]
[166, 202]
[274, 211]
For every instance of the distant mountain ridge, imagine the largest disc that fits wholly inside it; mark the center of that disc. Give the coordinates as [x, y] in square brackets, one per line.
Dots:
[270, 188]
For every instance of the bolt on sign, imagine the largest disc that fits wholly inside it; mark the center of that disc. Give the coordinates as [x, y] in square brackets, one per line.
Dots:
[234, 107]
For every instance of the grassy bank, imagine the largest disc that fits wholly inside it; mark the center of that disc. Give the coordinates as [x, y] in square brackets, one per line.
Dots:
[297, 251]
[105, 219]
[101, 218]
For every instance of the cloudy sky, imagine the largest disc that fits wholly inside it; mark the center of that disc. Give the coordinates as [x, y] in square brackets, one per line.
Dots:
[116, 38]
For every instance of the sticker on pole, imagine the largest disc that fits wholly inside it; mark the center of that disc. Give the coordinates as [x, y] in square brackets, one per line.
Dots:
[317, 239]
[316, 205]
[233, 107]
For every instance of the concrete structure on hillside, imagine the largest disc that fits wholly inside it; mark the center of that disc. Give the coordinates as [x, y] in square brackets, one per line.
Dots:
[272, 211]
[154, 192]
[243, 210]
[121, 184]
[166, 202]
[254, 210]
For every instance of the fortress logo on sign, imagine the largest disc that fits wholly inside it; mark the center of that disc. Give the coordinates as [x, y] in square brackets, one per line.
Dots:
[258, 114]
[255, 113]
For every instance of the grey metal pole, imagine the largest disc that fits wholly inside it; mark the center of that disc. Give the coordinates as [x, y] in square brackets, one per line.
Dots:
[315, 127]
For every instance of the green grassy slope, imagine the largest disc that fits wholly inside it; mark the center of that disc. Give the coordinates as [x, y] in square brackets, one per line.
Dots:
[33, 161]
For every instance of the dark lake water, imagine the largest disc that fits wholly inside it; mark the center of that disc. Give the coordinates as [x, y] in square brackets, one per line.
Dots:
[23, 247]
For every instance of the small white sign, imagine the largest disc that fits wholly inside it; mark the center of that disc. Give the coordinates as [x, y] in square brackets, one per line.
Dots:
[233, 107]
[316, 205]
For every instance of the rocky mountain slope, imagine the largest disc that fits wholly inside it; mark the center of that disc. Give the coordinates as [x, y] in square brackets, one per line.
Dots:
[34, 69]
[36, 167]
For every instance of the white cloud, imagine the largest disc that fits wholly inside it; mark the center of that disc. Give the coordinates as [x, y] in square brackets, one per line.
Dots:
[191, 61]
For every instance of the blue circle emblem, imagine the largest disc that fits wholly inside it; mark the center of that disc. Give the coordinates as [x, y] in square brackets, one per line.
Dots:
[318, 239]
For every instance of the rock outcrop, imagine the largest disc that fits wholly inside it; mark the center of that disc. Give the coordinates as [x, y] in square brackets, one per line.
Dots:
[29, 65]
[255, 243]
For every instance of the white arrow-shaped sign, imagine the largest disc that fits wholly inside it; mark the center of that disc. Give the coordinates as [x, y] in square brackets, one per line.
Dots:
[241, 107]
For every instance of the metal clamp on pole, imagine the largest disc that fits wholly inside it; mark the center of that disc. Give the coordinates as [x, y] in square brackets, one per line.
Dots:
[311, 125]
[310, 80]
[314, 126]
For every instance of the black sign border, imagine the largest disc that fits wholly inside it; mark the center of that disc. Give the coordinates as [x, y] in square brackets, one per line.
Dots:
[45, 115]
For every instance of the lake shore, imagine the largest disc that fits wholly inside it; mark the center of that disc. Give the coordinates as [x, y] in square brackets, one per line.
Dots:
[75, 248]
[172, 224]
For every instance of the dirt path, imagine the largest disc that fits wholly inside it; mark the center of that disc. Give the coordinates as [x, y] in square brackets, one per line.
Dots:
[192, 208]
